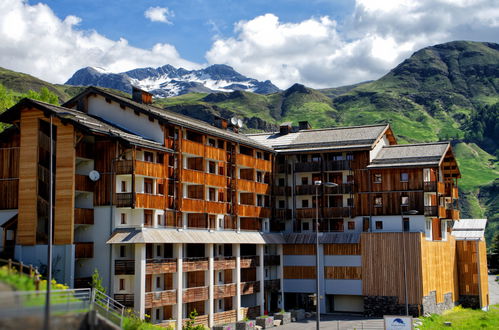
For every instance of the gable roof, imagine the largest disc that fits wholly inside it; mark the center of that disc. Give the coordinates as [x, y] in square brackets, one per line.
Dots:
[353, 137]
[403, 155]
[170, 117]
[81, 120]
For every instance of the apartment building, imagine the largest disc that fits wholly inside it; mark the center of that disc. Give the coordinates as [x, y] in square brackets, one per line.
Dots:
[179, 215]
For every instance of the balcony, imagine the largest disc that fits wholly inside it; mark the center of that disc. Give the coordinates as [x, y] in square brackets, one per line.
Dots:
[224, 290]
[250, 261]
[250, 287]
[84, 250]
[150, 201]
[272, 260]
[215, 153]
[195, 294]
[252, 162]
[83, 183]
[123, 199]
[123, 167]
[124, 267]
[430, 186]
[337, 212]
[431, 211]
[308, 167]
[221, 263]
[160, 298]
[342, 188]
[452, 214]
[161, 266]
[225, 317]
[442, 212]
[253, 186]
[282, 191]
[250, 224]
[193, 148]
[124, 299]
[337, 165]
[272, 285]
[305, 213]
[216, 180]
[149, 169]
[192, 205]
[216, 207]
[441, 188]
[308, 189]
[195, 264]
[454, 193]
[253, 211]
[192, 176]
[84, 216]
[283, 214]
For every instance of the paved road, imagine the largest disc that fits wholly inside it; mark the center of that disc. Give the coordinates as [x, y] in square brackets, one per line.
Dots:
[493, 290]
[342, 322]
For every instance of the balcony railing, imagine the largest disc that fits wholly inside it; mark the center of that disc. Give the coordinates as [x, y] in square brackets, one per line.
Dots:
[253, 211]
[160, 298]
[307, 189]
[250, 287]
[272, 260]
[452, 214]
[441, 188]
[273, 285]
[282, 191]
[84, 250]
[123, 167]
[342, 188]
[124, 299]
[195, 264]
[123, 199]
[250, 261]
[222, 263]
[84, 216]
[283, 214]
[431, 210]
[305, 213]
[337, 212]
[308, 167]
[195, 294]
[337, 165]
[430, 186]
[224, 290]
[150, 201]
[124, 267]
[161, 266]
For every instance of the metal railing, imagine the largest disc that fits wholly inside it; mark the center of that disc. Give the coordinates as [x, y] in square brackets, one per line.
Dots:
[108, 307]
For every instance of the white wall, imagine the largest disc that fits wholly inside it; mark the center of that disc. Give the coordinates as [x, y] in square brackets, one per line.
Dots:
[377, 148]
[138, 124]
[129, 284]
[393, 223]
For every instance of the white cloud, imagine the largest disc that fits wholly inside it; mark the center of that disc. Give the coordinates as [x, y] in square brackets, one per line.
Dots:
[320, 52]
[159, 14]
[35, 41]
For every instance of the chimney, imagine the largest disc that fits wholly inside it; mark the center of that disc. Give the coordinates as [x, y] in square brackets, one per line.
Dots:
[141, 96]
[285, 128]
[304, 125]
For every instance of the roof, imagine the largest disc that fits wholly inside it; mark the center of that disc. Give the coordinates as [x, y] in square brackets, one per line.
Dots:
[354, 137]
[154, 235]
[82, 120]
[469, 229]
[403, 155]
[324, 238]
[172, 117]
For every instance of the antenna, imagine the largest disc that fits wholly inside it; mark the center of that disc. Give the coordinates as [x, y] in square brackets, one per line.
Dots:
[239, 123]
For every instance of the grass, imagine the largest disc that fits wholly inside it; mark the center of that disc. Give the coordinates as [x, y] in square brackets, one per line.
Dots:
[463, 318]
[477, 167]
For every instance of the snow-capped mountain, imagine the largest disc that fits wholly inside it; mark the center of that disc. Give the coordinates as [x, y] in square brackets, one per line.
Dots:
[168, 81]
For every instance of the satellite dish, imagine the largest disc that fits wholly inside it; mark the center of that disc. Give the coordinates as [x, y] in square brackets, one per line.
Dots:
[233, 121]
[239, 123]
[94, 175]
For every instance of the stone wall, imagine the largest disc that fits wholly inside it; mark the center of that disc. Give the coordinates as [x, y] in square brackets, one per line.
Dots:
[469, 301]
[377, 306]
[430, 305]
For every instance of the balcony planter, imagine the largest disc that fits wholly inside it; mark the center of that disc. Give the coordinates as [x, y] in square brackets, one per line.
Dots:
[265, 321]
[284, 317]
[297, 314]
[245, 325]
[228, 326]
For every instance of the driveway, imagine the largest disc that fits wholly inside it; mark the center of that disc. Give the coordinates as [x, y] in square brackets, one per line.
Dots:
[493, 290]
[342, 322]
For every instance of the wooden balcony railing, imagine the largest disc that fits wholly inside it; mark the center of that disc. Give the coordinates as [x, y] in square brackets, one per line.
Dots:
[224, 290]
[215, 180]
[149, 169]
[124, 299]
[281, 168]
[161, 266]
[337, 212]
[192, 176]
[441, 188]
[272, 260]
[9, 194]
[221, 263]
[431, 210]
[123, 199]
[250, 224]
[193, 148]
[215, 153]
[84, 216]
[337, 165]
[83, 183]
[306, 189]
[342, 188]
[308, 167]
[216, 207]
[452, 214]
[253, 186]
[195, 264]
[442, 212]
[455, 193]
[84, 250]
[160, 298]
[195, 294]
[124, 267]
[85, 150]
[430, 186]
[192, 205]
[283, 214]
[150, 201]
[305, 213]
[250, 261]
[273, 285]
[250, 287]
[225, 317]
[249, 161]
[282, 191]
[253, 211]
[123, 167]
[198, 320]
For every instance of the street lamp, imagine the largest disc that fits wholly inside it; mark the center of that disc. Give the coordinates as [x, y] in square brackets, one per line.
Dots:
[409, 212]
[317, 184]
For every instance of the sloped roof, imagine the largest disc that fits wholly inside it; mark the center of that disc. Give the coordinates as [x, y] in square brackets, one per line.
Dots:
[469, 229]
[172, 117]
[354, 137]
[83, 121]
[324, 238]
[402, 155]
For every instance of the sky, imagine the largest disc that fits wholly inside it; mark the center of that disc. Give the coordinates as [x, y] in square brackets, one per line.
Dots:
[319, 43]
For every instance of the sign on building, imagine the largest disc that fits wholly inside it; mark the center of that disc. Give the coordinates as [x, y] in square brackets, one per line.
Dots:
[398, 322]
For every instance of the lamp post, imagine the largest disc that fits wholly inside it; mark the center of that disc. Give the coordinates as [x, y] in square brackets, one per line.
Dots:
[410, 212]
[317, 279]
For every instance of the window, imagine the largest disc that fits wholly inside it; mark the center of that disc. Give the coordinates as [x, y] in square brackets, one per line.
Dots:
[219, 276]
[304, 180]
[122, 284]
[350, 202]
[211, 142]
[148, 186]
[171, 160]
[219, 303]
[281, 182]
[259, 176]
[378, 201]
[161, 189]
[148, 218]
[122, 251]
[212, 167]
[148, 156]
[379, 225]
[158, 250]
[123, 186]
[304, 203]
[259, 155]
[160, 220]
[282, 203]
[405, 224]
[221, 144]
[259, 200]
[160, 158]
[158, 282]
[404, 177]
[123, 218]
[157, 313]
[305, 226]
[266, 272]
[212, 194]
[377, 178]
[404, 201]
[351, 225]
[316, 158]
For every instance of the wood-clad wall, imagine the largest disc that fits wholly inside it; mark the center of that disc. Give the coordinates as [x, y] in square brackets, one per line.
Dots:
[484, 278]
[298, 249]
[64, 184]
[342, 249]
[440, 268]
[28, 183]
[343, 273]
[106, 151]
[383, 265]
[299, 272]
[390, 203]
[469, 253]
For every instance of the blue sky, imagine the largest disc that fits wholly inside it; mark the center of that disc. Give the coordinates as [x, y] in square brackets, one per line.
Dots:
[319, 43]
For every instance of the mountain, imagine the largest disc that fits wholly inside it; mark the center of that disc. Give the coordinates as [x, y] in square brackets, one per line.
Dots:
[167, 81]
